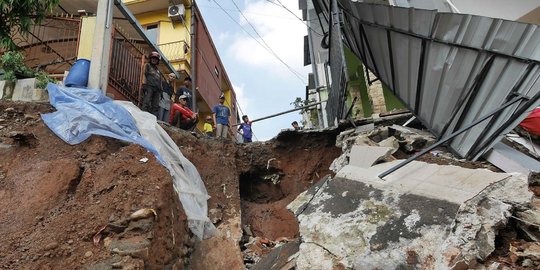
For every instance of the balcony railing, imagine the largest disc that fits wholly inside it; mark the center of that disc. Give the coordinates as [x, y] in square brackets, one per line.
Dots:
[51, 45]
[175, 51]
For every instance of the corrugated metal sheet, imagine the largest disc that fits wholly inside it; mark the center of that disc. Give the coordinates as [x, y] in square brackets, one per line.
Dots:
[450, 69]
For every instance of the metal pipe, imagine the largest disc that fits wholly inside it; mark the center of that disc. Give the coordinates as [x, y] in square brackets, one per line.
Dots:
[398, 166]
[193, 63]
[133, 21]
[288, 111]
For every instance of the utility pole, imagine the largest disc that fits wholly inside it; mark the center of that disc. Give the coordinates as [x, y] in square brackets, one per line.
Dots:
[101, 48]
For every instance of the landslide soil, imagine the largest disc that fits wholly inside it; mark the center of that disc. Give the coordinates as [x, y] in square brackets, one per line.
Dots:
[55, 197]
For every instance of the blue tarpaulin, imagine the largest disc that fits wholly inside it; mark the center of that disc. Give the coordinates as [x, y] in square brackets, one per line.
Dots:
[85, 112]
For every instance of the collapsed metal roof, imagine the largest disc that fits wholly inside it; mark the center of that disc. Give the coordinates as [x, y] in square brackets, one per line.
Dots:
[449, 69]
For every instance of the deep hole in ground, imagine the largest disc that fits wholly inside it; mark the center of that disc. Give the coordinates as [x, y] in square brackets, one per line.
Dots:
[261, 187]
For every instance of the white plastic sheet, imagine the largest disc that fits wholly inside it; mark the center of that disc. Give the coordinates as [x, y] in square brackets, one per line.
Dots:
[84, 112]
[186, 179]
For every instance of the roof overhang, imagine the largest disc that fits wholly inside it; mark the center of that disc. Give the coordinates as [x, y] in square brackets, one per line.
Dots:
[450, 69]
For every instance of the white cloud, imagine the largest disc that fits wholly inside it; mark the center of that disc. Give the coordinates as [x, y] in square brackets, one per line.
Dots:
[223, 36]
[283, 35]
[241, 99]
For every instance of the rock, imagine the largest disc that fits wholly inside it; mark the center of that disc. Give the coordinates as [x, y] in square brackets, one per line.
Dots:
[10, 110]
[527, 263]
[70, 241]
[51, 245]
[215, 215]
[534, 183]
[390, 142]
[29, 117]
[136, 246]
[343, 136]
[143, 213]
[364, 140]
[88, 254]
[128, 263]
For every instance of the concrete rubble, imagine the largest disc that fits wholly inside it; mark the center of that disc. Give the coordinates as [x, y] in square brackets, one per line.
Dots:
[423, 216]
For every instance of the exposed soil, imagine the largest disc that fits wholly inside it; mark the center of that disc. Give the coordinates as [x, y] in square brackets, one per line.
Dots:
[56, 199]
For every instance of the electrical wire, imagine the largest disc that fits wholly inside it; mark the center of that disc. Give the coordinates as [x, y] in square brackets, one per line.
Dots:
[300, 19]
[294, 72]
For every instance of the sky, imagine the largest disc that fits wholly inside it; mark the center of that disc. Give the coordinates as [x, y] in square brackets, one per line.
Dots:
[263, 84]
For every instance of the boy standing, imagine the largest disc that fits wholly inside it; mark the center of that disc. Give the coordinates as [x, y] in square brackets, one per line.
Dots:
[221, 115]
[245, 129]
[207, 128]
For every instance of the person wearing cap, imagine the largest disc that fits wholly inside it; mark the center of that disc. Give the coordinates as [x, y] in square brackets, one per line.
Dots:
[181, 116]
[165, 101]
[152, 85]
[207, 128]
[245, 129]
[185, 90]
[222, 116]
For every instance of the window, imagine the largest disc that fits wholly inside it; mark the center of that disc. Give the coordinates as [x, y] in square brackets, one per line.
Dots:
[216, 71]
[152, 32]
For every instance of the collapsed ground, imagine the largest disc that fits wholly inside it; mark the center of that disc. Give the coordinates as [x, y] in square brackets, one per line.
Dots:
[66, 207]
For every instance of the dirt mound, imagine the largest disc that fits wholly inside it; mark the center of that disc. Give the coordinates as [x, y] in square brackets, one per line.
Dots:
[68, 207]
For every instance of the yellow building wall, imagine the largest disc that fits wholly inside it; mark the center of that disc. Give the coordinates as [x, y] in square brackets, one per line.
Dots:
[170, 32]
[88, 25]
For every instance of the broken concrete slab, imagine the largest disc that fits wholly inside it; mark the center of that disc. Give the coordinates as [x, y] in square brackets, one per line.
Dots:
[371, 225]
[365, 156]
[445, 182]
[391, 142]
[479, 219]
[349, 221]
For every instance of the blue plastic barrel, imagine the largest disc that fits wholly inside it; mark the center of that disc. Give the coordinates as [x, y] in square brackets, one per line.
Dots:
[78, 74]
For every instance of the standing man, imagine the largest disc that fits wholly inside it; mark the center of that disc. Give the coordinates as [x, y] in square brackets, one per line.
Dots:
[165, 101]
[181, 116]
[185, 90]
[152, 85]
[222, 118]
[245, 129]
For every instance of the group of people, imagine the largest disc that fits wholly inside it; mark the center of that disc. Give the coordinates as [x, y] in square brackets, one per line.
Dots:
[177, 108]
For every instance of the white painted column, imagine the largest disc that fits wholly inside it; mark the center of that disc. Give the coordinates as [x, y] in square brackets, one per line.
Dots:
[101, 49]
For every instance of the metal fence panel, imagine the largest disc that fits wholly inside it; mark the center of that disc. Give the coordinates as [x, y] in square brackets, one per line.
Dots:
[449, 69]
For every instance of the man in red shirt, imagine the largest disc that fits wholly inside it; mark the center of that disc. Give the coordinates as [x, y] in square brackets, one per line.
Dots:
[181, 116]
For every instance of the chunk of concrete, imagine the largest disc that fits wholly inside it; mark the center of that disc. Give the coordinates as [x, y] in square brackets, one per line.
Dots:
[413, 220]
[444, 182]
[365, 156]
[25, 90]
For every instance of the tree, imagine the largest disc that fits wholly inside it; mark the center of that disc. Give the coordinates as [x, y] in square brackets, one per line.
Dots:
[20, 15]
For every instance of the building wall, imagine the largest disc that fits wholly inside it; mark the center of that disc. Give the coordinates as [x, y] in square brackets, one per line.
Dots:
[210, 74]
[88, 25]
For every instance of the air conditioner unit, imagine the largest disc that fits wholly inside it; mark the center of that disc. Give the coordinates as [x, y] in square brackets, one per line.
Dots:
[177, 12]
